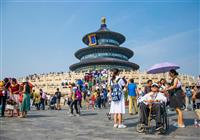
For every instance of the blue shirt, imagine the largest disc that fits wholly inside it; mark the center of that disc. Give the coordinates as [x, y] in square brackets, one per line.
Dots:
[132, 89]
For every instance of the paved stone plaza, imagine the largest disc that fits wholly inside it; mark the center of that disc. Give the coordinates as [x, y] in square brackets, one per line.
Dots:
[92, 125]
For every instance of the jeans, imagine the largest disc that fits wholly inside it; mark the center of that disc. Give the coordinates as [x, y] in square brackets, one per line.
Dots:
[188, 101]
[74, 104]
[42, 103]
[99, 102]
[3, 104]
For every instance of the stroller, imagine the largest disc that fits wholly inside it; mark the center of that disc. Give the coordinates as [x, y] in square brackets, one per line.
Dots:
[52, 103]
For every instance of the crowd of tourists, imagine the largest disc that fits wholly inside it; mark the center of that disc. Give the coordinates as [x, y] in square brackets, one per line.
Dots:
[102, 89]
[15, 97]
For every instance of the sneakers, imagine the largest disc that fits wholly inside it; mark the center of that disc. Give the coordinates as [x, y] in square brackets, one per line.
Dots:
[115, 125]
[182, 126]
[178, 126]
[175, 125]
[158, 128]
[121, 126]
[71, 115]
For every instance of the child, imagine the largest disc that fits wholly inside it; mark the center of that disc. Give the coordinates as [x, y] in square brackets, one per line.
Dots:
[37, 101]
[93, 100]
[10, 106]
[87, 101]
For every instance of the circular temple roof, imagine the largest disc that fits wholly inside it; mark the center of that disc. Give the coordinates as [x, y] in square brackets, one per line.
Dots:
[97, 49]
[105, 33]
[104, 61]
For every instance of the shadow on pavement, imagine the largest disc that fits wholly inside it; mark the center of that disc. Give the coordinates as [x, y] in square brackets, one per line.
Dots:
[89, 114]
[39, 116]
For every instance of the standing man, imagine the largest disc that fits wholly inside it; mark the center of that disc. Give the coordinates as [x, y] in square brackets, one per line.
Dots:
[132, 94]
[147, 88]
[58, 95]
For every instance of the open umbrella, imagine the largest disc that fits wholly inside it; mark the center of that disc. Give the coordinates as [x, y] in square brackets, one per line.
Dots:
[162, 68]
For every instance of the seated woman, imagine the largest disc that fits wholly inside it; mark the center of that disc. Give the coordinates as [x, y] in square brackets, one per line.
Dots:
[154, 98]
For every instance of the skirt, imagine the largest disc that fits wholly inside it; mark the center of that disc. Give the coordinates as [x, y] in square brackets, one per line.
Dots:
[118, 107]
[25, 106]
[176, 100]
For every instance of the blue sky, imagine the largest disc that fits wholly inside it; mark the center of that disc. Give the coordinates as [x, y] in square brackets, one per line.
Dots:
[42, 36]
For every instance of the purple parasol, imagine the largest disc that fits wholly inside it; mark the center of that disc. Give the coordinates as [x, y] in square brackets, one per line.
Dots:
[162, 68]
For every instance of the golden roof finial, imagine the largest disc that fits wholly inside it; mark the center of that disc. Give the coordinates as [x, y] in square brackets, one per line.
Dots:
[103, 20]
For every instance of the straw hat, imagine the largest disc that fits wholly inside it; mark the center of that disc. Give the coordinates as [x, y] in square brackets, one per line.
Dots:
[1, 83]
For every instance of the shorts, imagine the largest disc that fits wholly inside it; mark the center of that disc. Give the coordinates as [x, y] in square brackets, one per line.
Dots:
[16, 99]
[197, 111]
[10, 107]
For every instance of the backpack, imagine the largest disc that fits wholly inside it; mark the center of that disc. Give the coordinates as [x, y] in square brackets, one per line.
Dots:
[78, 94]
[116, 92]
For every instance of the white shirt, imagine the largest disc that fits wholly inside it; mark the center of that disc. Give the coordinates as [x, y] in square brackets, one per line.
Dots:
[120, 82]
[153, 96]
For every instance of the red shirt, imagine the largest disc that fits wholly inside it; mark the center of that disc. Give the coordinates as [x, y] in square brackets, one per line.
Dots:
[14, 88]
[1, 94]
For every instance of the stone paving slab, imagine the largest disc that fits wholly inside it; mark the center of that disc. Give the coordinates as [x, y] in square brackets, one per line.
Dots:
[57, 125]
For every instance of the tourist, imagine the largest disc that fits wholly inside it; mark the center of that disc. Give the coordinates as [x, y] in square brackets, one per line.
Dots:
[78, 99]
[74, 102]
[20, 97]
[188, 97]
[37, 101]
[25, 107]
[132, 97]
[176, 99]
[196, 98]
[4, 85]
[48, 99]
[93, 100]
[198, 81]
[14, 92]
[42, 99]
[147, 100]
[87, 101]
[98, 99]
[104, 97]
[118, 102]
[33, 98]
[147, 88]
[69, 98]
[58, 96]
[140, 91]
[1, 95]
[52, 102]
[9, 101]
[162, 84]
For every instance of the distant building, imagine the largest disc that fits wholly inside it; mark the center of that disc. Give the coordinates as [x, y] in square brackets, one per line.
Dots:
[104, 52]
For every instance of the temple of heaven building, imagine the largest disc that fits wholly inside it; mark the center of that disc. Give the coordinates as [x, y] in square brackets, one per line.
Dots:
[104, 51]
